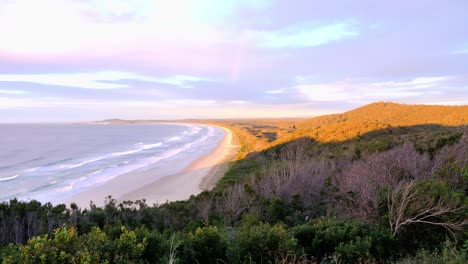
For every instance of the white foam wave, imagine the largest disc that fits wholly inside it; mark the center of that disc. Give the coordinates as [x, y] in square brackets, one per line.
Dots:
[72, 166]
[31, 170]
[65, 188]
[114, 154]
[174, 139]
[92, 173]
[150, 146]
[9, 178]
[73, 182]
[111, 173]
[107, 174]
[124, 153]
[194, 130]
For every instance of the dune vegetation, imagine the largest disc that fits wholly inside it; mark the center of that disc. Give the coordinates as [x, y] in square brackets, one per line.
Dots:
[384, 183]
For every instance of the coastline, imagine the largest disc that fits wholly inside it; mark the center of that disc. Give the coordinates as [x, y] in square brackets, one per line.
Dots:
[159, 187]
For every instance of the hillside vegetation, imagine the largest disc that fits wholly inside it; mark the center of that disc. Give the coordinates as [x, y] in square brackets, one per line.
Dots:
[377, 116]
[365, 130]
[382, 183]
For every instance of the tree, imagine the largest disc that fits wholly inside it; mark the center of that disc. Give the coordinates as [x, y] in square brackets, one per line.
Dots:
[428, 202]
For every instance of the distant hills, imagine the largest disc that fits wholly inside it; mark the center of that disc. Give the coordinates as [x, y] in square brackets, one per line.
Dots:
[258, 134]
[398, 115]
[377, 116]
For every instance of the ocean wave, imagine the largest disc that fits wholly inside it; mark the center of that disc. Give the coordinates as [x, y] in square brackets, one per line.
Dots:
[143, 147]
[142, 163]
[56, 162]
[48, 166]
[9, 178]
[20, 163]
[92, 173]
[124, 153]
[150, 146]
[76, 165]
[173, 139]
[31, 170]
[194, 130]
[113, 172]
[72, 183]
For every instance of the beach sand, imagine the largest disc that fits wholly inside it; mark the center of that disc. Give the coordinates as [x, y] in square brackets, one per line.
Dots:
[157, 187]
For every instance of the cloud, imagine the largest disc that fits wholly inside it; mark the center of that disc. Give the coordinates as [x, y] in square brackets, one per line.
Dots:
[454, 102]
[12, 92]
[8, 103]
[363, 91]
[301, 36]
[36, 28]
[181, 80]
[99, 80]
[414, 84]
[146, 109]
[461, 51]
[204, 10]
[180, 35]
[279, 91]
[119, 55]
[95, 26]
[192, 102]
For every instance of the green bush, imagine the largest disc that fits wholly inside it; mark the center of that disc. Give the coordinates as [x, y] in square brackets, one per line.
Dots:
[128, 247]
[262, 244]
[355, 250]
[67, 247]
[157, 245]
[277, 210]
[10, 254]
[448, 254]
[349, 241]
[208, 245]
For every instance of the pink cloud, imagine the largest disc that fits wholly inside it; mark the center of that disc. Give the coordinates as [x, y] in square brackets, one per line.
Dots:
[168, 34]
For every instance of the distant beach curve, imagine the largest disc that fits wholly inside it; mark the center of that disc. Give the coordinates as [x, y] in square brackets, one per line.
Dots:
[156, 161]
[157, 186]
[202, 174]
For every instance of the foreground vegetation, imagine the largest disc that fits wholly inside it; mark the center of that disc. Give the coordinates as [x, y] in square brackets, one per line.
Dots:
[360, 194]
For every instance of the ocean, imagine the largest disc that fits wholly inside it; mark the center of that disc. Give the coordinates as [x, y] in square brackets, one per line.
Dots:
[52, 162]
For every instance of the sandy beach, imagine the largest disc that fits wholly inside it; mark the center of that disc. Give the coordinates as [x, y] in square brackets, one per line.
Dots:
[158, 187]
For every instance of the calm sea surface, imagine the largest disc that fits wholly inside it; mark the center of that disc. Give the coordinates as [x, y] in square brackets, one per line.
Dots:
[49, 162]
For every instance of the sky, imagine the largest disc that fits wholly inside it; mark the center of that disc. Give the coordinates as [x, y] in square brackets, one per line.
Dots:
[78, 60]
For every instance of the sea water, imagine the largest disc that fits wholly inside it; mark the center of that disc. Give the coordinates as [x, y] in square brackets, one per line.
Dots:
[51, 162]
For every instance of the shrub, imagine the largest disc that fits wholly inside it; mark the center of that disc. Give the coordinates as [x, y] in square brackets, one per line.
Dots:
[208, 245]
[128, 248]
[67, 247]
[355, 250]
[449, 254]
[277, 210]
[350, 241]
[262, 244]
[157, 245]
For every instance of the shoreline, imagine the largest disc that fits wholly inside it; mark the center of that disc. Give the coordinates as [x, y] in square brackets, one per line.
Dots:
[229, 147]
[159, 187]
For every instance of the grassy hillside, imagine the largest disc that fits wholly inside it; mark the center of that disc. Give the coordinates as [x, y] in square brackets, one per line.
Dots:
[377, 116]
[359, 132]
[257, 134]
